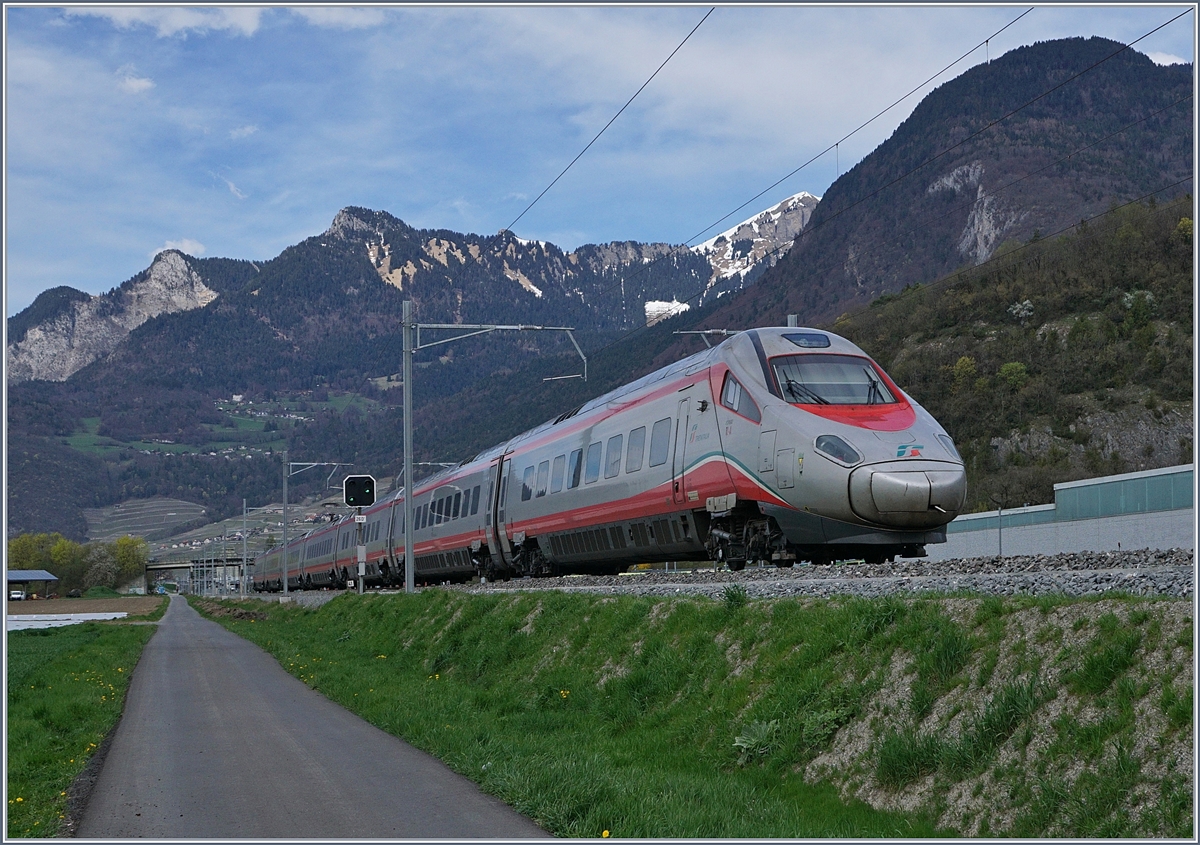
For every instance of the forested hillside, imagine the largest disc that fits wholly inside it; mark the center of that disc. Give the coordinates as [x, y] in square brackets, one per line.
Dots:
[1036, 140]
[1082, 344]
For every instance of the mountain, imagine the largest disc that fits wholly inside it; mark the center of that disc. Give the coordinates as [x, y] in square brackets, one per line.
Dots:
[739, 255]
[64, 330]
[322, 287]
[1034, 141]
[973, 173]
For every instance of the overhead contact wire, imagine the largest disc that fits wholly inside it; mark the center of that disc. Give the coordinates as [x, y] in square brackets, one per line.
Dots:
[918, 167]
[610, 122]
[848, 135]
[945, 280]
[862, 126]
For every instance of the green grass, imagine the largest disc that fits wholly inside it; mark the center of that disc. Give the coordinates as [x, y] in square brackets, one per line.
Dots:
[694, 718]
[66, 689]
[643, 717]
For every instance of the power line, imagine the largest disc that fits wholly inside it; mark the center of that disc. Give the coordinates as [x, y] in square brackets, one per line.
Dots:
[946, 280]
[610, 123]
[913, 170]
[929, 221]
[674, 250]
[862, 126]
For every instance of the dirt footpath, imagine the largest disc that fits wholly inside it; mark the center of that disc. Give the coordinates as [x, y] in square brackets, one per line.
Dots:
[133, 605]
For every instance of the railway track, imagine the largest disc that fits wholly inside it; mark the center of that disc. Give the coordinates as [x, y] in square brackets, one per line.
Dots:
[1141, 572]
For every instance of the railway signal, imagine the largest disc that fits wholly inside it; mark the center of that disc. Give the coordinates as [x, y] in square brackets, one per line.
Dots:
[358, 491]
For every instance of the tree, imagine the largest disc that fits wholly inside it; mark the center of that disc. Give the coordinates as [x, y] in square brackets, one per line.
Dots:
[102, 568]
[130, 554]
[1015, 374]
[32, 551]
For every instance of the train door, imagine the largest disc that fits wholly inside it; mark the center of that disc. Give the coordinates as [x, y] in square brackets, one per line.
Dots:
[497, 536]
[679, 461]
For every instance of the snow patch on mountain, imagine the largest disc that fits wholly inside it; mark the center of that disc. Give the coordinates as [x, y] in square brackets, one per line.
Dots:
[767, 237]
[657, 311]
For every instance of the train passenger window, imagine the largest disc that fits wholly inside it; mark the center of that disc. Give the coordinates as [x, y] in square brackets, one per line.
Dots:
[637, 447]
[576, 468]
[556, 474]
[454, 507]
[543, 478]
[660, 442]
[612, 465]
[475, 500]
[593, 462]
[527, 484]
[735, 398]
[423, 516]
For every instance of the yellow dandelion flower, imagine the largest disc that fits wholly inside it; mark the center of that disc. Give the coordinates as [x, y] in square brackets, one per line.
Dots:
[19, 800]
[604, 835]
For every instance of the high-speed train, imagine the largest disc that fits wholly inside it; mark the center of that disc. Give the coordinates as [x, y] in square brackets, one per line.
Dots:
[779, 445]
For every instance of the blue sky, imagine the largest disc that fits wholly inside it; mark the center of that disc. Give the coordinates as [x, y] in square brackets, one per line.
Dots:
[239, 131]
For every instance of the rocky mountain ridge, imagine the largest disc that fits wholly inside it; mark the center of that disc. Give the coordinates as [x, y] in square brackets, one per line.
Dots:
[755, 244]
[446, 271]
[1022, 147]
[87, 329]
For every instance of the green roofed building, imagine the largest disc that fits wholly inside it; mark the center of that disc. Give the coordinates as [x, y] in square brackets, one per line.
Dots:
[1152, 509]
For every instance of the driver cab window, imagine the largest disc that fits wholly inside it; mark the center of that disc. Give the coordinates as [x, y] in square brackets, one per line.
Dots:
[735, 398]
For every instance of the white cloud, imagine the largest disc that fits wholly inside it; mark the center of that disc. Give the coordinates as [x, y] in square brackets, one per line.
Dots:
[233, 189]
[341, 17]
[1166, 59]
[188, 246]
[132, 84]
[242, 132]
[168, 21]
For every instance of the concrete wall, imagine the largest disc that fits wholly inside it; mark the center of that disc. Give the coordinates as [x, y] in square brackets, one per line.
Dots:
[1158, 530]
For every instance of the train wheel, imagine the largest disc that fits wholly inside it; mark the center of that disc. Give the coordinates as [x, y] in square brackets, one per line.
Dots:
[735, 565]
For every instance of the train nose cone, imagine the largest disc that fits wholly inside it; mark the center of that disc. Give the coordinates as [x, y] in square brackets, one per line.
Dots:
[908, 495]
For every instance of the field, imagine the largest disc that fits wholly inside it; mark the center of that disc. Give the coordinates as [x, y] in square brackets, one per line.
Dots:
[66, 690]
[139, 606]
[686, 717]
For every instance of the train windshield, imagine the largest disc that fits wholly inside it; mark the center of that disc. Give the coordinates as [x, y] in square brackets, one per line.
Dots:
[831, 380]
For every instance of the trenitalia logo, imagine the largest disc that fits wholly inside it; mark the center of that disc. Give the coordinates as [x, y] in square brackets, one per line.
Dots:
[909, 450]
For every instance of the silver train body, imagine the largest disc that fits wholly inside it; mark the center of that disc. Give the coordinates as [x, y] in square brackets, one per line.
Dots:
[779, 445]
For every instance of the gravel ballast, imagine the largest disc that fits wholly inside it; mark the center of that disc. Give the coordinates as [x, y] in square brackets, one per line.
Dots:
[1145, 572]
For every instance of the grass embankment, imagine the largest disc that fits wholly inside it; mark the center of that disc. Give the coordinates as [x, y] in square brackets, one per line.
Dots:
[66, 691]
[652, 717]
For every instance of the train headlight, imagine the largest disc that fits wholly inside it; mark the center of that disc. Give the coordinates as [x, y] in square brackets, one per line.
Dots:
[832, 446]
[949, 444]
